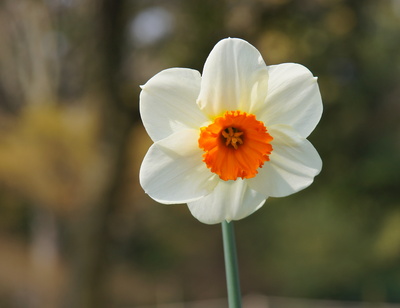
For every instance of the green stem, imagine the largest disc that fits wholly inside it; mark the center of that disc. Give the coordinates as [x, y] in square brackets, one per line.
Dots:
[231, 265]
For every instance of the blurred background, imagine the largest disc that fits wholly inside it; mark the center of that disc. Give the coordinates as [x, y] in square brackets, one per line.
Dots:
[76, 229]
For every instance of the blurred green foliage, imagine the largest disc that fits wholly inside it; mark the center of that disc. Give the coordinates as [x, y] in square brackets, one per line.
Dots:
[71, 144]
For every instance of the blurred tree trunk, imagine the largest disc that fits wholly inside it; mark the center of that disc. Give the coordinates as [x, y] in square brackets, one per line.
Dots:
[89, 234]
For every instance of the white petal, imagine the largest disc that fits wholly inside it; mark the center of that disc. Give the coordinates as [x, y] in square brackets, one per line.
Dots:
[293, 164]
[173, 171]
[168, 102]
[235, 77]
[230, 200]
[293, 98]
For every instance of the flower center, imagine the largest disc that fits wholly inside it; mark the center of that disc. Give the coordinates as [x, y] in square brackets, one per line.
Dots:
[235, 145]
[232, 136]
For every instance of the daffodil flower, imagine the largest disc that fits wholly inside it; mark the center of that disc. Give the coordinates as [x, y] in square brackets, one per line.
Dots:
[228, 139]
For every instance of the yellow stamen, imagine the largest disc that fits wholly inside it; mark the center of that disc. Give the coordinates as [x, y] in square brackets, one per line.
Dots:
[232, 136]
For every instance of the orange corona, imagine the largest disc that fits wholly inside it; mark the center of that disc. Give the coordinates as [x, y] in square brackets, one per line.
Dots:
[235, 145]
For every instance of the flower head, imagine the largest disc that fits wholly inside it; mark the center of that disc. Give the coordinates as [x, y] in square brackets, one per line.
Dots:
[227, 140]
